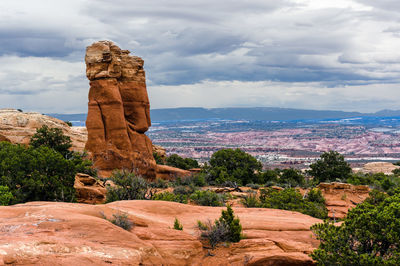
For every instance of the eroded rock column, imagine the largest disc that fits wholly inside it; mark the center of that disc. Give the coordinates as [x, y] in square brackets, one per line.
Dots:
[119, 111]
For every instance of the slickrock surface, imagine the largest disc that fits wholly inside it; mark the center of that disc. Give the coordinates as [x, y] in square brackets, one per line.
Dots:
[340, 197]
[119, 111]
[19, 127]
[46, 233]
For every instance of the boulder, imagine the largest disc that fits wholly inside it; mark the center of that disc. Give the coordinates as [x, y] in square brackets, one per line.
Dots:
[89, 190]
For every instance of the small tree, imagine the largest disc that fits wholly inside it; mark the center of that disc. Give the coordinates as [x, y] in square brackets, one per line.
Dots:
[183, 163]
[369, 235]
[330, 167]
[233, 165]
[52, 138]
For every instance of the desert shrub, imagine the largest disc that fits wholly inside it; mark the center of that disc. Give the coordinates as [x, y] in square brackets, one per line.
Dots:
[159, 183]
[120, 219]
[329, 167]
[376, 197]
[5, 196]
[251, 201]
[36, 174]
[184, 190]
[183, 163]
[379, 181]
[226, 229]
[177, 225]
[369, 235]
[315, 195]
[208, 198]
[127, 187]
[290, 199]
[197, 180]
[158, 158]
[215, 233]
[232, 165]
[52, 138]
[168, 196]
[253, 186]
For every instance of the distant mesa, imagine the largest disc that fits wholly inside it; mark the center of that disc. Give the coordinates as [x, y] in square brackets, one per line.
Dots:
[119, 112]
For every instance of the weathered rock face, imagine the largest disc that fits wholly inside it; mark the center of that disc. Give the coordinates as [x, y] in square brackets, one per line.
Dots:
[55, 233]
[341, 197]
[89, 190]
[119, 111]
[18, 127]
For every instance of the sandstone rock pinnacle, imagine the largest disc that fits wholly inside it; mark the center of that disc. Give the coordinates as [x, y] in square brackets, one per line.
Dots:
[119, 111]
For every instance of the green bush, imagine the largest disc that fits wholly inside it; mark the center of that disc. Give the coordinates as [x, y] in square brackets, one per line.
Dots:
[184, 190]
[5, 196]
[253, 186]
[36, 174]
[369, 235]
[127, 187]
[291, 178]
[315, 195]
[329, 167]
[251, 201]
[226, 229]
[233, 165]
[380, 181]
[168, 196]
[290, 199]
[208, 198]
[183, 163]
[177, 225]
[158, 158]
[52, 138]
[159, 183]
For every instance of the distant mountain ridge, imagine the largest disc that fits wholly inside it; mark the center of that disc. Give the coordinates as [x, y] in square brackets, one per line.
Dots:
[246, 113]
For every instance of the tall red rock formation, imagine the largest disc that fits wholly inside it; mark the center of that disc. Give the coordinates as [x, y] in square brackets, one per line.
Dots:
[119, 111]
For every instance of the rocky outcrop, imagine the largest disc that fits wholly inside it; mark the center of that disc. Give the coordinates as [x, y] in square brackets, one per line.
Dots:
[340, 197]
[55, 233]
[379, 167]
[119, 111]
[89, 190]
[170, 173]
[18, 127]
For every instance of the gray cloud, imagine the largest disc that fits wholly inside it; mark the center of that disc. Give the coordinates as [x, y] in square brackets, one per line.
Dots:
[343, 43]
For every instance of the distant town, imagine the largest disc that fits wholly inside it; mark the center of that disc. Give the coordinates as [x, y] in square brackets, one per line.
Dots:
[284, 143]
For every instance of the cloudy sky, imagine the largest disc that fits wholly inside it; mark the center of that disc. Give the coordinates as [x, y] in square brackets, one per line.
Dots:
[313, 54]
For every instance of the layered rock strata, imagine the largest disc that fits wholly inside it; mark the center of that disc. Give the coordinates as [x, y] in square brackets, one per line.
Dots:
[119, 111]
